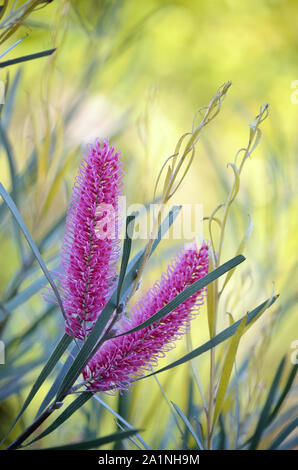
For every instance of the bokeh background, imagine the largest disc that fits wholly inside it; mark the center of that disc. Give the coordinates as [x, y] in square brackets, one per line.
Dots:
[136, 73]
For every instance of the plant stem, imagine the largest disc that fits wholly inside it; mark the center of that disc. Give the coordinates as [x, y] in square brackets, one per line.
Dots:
[211, 399]
[33, 426]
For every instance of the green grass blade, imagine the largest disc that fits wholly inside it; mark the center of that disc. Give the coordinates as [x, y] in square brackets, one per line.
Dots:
[17, 216]
[222, 433]
[284, 434]
[291, 444]
[96, 442]
[22, 273]
[25, 294]
[16, 340]
[22, 179]
[120, 418]
[165, 226]
[10, 100]
[126, 253]
[119, 445]
[13, 45]
[188, 292]
[255, 439]
[188, 426]
[164, 395]
[241, 248]
[136, 262]
[12, 170]
[87, 349]
[19, 370]
[55, 356]
[123, 410]
[227, 370]
[212, 298]
[219, 338]
[11, 388]
[64, 416]
[57, 382]
[284, 393]
[25, 58]
[189, 409]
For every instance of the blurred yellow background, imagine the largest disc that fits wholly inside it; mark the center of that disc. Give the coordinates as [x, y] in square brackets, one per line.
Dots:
[136, 73]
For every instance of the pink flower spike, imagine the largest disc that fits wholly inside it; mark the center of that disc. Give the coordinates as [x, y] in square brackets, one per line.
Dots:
[120, 360]
[91, 244]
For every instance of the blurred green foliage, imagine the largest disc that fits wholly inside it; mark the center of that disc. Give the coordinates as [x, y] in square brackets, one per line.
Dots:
[136, 72]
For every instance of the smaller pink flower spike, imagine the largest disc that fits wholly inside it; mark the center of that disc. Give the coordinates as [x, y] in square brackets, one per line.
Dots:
[89, 259]
[120, 360]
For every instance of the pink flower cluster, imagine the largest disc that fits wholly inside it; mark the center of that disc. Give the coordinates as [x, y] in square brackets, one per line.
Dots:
[124, 358]
[89, 262]
[89, 273]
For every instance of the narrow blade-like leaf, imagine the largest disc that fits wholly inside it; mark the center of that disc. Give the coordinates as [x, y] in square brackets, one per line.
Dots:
[96, 442]
[267, 407]
[283, 394]
[284, 434]
[25, 58]
[188, 425]
[65, 415]
[219, 338]
[87, 349]
[17, 216]
[126, 253]
[188, 292]
[57, 353]
[227, 369]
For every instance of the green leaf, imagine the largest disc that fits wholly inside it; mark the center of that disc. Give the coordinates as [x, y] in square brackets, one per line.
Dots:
[212, 299]
[58, 380]
[119, 444]
[17, 216]
[87, 349]
[164, 395]
[10, 100]
[3, 8]
[227, 369]
[52, 232]
[165, 226]
[222, 434]
[284, 393]
[11, 163]
[55, 356]
[220, 338]
[11, 388]
[255, 439]
[188, 425]
[25, 294]
[120, 418]
[31, 329]
[58, 174]
[123, 401]
[96, 442]
[22, 179]
[284, 434]
[241, 248]
[126, 253]
[280, 421]
[291, 444]
[24, 271]
[188, 292]
[65, 415]
[25, 58]
[136, 262]
[19, 370]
